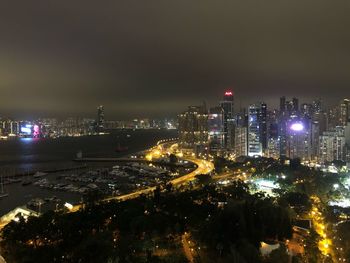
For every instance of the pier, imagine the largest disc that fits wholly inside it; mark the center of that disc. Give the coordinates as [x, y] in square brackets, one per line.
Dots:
[55, 170]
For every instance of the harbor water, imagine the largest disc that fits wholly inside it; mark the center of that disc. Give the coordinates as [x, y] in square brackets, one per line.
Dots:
[25, 156]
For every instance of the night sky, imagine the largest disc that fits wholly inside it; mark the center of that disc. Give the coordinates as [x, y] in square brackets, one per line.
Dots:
[153, 58]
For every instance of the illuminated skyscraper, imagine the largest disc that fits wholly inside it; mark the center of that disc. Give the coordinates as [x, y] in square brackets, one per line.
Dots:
[273, 148]
[315, 138]
[332, 145]
[228, 106]
[282, 104]
[100, 118]
[263, 125]
[298, 140]
[306, 110]
[216, 128]
[193, 129]
[344, 112]
[241, 136]
[347, 144]
[254, 142]
[288, 110]
[317, 105]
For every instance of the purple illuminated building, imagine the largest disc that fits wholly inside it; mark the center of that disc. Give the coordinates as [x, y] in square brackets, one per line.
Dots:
[297, 127]
[298, 139]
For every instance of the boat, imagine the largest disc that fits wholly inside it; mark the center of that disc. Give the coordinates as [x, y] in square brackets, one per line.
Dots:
[4, 195]
[12, 180]
[35, 202]
[2, 192]
[26, 182]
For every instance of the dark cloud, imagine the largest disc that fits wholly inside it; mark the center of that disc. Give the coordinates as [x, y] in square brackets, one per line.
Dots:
[156, 57]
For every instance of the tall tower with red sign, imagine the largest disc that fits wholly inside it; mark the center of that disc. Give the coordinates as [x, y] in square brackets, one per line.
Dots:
[228, 106]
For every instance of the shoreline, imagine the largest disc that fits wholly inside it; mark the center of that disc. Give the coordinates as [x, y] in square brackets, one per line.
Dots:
[74, 167]
[18, 169]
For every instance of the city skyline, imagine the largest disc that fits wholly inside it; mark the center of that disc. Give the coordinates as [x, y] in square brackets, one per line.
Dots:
[272, 104]
[147, 58]
[175, 131]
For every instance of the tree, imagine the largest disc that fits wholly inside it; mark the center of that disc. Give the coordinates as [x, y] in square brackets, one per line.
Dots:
[173, 159]
[156, 194]
[297, 199]
[169, 187]
[219, 164]
[203, 178]
[97, 248]
[92, 197]
[295, 163]
[311, 250]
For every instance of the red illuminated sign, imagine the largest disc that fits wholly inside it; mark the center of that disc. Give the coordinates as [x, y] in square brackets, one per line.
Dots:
[228, 93]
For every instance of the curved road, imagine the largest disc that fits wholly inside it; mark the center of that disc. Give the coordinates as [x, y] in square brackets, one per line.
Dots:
[203, 167]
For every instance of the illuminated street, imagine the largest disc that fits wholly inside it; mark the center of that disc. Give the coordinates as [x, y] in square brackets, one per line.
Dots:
[172, 132]
[325, 244]
[203, 167]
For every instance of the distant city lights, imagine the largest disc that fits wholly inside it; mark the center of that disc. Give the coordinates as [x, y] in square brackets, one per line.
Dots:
[26, 129]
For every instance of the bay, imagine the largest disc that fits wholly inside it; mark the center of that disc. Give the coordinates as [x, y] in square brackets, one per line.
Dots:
[28, 155]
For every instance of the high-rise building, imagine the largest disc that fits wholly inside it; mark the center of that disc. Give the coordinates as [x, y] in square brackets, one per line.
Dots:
[347, 144]
[332, 145]
[317, 105]
[100, 118]
[282, 104]
[282, 136]
[344, 112]
[321, 118]
[315, 135]
[228, 106]
[241, 134]
[254, 142]
[298, 140]
[193, 129]
[292, 107]
[307, 110]
[273, 141]
[282, 127]
[289, 110]
[333, 118]
[14, 128]
[347, 133]
[241, 141]
[263, 126]
[273, 148]
[216, 128]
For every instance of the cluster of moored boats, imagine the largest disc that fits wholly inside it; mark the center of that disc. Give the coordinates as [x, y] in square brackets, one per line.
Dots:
[120, 178]
[35, 202]
[45, 183]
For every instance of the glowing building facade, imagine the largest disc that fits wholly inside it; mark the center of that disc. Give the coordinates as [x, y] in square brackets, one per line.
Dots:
[216, 128]
[100, 123]
[332, 145]
[254, 133]
[193, 128]
[227, 104]
[298, 140]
